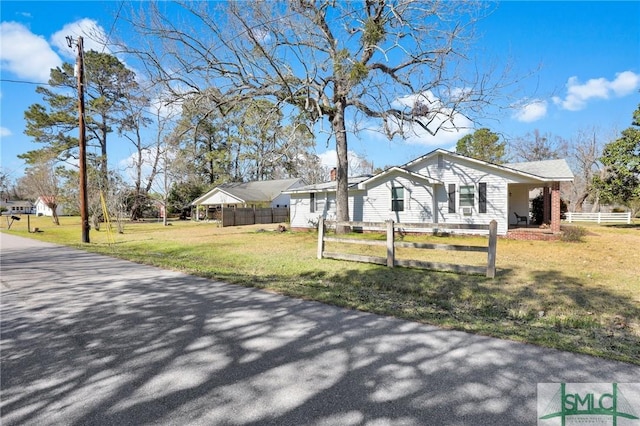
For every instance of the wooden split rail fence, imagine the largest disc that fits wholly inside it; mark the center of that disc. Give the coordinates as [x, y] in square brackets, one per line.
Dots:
[390, 260]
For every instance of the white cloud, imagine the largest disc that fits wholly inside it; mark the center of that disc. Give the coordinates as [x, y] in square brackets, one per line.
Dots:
[162, 106]
[329, 159]
[450, 131]
[578, 94]
[625, 83]
[130, 163]
[4, 132]
[93, 37]
[448, 126]
[25, 54]
[530, 110]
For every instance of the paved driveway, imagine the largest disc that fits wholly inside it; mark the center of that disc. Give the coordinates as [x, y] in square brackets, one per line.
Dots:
[91, 340]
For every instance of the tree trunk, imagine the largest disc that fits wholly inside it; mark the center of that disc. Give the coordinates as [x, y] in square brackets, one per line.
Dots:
[581, 199]
[342, 171]
[596, 205]
[104, 168]
[95, 220]
[54, 214]
[134, 214]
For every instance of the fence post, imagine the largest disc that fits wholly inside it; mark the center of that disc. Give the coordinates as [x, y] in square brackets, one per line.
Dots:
[320, 236]
[599, 217]
[628, 218]
[569, 217]
[390, 244]
[493, 243]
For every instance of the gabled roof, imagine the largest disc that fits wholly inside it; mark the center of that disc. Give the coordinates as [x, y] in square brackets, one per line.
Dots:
[257, 191]
[537, 171]
[545, 171]
[46, 199]
[16, 203]
[405, 172]
[328, 186]
[557, 170]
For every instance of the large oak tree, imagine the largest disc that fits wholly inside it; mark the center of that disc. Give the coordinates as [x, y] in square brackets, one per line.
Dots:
[337, 64]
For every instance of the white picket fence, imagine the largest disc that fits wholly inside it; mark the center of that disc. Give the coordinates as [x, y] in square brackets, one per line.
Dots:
[599, 217]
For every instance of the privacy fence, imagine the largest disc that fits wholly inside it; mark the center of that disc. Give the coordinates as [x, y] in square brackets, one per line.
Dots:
[391, 244]
[251, 216]
[599, 217]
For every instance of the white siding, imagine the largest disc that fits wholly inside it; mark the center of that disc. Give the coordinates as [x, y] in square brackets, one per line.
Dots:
[301, 214]
[418, 201]
[518, 201]
[219, 197]
[462, 173]
[302, 217]
[42, 209]
[425, 203]
[282, 200]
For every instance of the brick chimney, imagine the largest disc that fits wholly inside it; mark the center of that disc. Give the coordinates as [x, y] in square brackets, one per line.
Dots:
[333, 174]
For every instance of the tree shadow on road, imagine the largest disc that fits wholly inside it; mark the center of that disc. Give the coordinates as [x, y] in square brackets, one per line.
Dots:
[92, 340]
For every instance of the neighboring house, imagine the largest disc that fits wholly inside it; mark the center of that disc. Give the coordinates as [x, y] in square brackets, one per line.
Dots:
[42, 209]
[440, 187]
[17, 207]
[267, 193]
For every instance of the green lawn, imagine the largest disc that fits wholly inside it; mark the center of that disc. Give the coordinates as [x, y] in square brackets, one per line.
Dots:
[582, 297]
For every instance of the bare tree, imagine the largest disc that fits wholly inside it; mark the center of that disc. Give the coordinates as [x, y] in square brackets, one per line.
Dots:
[6, 185]
[400, 63]
[584, 156]
[145, 162]
[537, 147]
[41, 180]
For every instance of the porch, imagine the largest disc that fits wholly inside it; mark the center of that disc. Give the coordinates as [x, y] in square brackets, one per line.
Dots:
[519, 211]
[532, 233]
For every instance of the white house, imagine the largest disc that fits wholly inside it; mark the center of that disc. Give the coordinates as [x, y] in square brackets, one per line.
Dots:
[43, 210]
[11, 207]
[440, 187]
[267, 193]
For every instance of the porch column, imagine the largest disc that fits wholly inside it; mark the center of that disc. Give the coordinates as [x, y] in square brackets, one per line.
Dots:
[546, 205]
[555, 207]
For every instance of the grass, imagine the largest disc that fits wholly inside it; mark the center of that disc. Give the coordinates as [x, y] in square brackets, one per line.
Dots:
[582, 297]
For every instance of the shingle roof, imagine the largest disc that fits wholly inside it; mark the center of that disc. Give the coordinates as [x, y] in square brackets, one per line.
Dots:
[547, 169]
[257, 191]
[329, 186]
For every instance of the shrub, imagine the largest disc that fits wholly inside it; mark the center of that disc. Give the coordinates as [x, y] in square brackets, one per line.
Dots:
[573, 234]
[537, 209]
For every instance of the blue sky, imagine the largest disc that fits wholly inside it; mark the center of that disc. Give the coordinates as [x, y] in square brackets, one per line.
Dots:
[585, 59]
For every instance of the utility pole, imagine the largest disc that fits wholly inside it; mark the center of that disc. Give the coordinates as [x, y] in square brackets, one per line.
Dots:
[84, 210]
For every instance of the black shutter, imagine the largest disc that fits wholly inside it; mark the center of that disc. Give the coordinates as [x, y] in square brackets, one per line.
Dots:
[482, 197]
[452, 198]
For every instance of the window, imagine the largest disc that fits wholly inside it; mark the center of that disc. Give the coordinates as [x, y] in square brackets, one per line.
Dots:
[397, 199]
[467, 196]
[312, 202]
[452, 197]
[482, 197]
[440, 161]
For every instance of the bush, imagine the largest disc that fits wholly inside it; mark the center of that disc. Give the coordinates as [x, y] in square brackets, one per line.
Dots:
[537, 209]
[573, 234]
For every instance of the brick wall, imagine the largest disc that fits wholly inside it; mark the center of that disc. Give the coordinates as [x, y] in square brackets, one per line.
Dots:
[532, 236]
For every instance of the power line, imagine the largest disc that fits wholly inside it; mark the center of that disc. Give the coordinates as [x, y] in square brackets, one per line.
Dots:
[104, 46]
[6, 80]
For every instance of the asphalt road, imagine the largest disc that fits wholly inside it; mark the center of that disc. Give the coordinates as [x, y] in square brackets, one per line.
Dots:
[91, 340]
